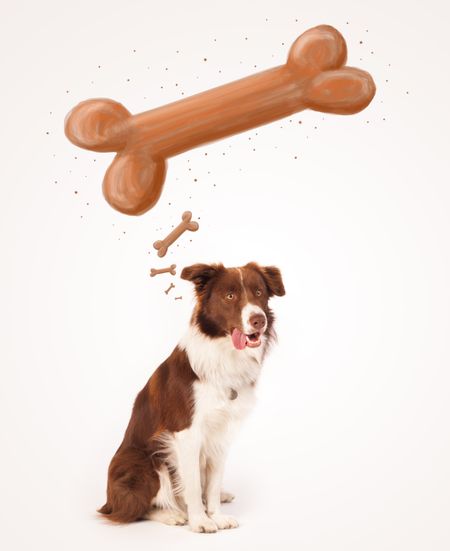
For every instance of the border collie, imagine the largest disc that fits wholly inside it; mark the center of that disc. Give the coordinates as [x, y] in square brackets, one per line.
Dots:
[170, 464]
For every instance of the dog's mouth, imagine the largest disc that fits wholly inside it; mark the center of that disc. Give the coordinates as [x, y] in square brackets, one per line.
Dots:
[241, 340]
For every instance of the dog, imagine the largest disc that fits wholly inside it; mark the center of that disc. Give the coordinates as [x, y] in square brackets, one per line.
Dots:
[170, 464]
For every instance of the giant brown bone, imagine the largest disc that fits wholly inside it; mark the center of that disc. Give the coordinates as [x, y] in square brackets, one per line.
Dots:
[314, 77]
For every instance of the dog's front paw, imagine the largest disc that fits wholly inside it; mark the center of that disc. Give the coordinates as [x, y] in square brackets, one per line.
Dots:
[223, 522]
[202, 523]
[226, 497]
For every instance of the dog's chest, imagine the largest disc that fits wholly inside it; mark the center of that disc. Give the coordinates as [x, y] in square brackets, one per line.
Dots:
[215, 405]
[225, 390]
[218, 412]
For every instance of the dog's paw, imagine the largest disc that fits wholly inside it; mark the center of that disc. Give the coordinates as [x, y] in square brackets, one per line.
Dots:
[202, 524]
[226, 497]
[224, 522]
[177, 518]
[170, 517]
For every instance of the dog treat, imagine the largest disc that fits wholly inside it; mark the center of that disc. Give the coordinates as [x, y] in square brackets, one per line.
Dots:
[185, 224]
[170, 270]
[314, 77]
[171, 286]
[178, 298]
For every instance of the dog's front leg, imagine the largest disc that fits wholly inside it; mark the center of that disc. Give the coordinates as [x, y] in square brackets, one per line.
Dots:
[215, 468]
[188, 459]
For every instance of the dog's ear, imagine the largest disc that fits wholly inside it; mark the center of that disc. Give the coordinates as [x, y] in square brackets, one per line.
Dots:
[200, 274]
[272, 278]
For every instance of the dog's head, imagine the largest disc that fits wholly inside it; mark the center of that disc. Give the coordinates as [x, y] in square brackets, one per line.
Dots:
[235, 301]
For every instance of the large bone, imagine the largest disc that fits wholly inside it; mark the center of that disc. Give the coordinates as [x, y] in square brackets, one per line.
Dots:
[314, 77]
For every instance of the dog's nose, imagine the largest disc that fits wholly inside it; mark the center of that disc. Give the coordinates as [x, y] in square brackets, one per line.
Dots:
[257, 321]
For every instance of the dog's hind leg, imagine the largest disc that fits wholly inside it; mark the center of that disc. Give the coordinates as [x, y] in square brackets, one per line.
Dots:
[226, 497]
[172, 517]
[133, 483]
[166, 507]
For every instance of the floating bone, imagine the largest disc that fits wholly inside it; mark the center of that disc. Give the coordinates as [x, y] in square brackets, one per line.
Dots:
[314, 77]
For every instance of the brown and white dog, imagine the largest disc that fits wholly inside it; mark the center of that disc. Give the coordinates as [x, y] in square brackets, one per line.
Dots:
[170, 464]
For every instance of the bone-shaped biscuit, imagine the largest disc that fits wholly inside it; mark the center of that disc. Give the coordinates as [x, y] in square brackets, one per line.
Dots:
[185, 224]
[171, 286]
[170, 270]
[314, 77]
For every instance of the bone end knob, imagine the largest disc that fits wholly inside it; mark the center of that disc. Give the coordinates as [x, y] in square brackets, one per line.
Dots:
[98, 125]
[322, 48]
[320, 53]
[161, 248]
[134, 181]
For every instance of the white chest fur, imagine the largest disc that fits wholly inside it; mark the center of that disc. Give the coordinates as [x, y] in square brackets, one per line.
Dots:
[222, 396]
[224, 373]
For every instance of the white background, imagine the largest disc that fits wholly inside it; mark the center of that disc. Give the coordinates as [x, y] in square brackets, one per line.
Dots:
[348, 448]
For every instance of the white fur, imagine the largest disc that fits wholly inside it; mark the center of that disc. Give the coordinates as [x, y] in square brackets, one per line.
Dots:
[166, 498]
[198, 453]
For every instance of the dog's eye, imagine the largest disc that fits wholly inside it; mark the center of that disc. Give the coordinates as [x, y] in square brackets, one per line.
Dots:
[229, 296]
[258, 292]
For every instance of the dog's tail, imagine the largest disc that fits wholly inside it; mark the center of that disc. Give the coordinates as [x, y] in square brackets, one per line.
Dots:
[105, 510]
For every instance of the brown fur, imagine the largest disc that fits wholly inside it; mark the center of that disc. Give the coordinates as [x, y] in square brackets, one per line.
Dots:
[164, 404]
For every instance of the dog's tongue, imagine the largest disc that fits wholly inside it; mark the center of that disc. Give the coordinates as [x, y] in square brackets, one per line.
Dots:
[239, 339]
